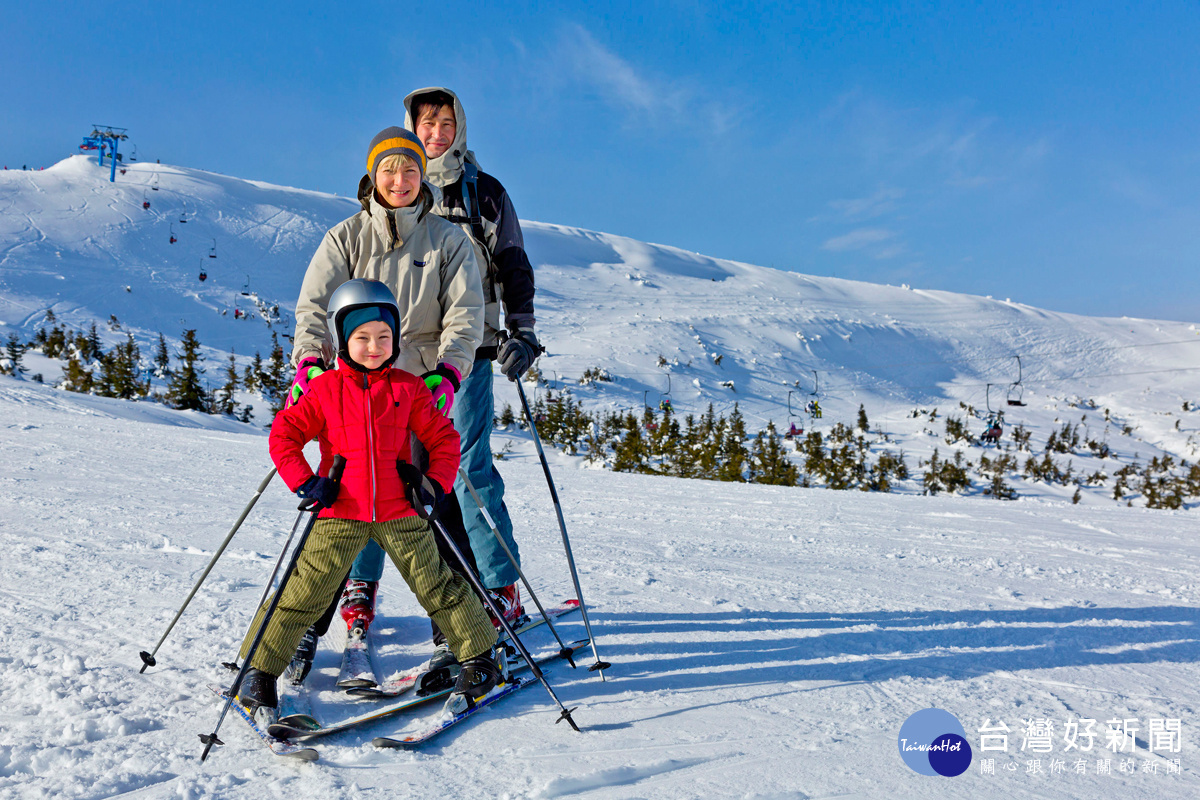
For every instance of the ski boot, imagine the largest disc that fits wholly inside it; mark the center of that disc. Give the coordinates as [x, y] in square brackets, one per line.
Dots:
[442, 672]
[257, 694]
[443, 657]
[302, 661]
[358, 605]
[508, 600]
[478, 676]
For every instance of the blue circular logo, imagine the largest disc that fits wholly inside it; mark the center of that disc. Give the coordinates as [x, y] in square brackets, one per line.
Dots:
[934, 742]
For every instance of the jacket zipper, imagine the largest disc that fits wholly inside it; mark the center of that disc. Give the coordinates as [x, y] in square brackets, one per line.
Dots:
[370, 440]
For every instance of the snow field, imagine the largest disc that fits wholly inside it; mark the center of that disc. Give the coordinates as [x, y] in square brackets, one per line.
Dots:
[766, 642]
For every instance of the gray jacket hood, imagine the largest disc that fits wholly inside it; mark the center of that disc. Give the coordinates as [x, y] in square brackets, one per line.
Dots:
[446, 168]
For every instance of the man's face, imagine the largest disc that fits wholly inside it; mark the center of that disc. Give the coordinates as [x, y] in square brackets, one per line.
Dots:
[398, 184]
[436, 128]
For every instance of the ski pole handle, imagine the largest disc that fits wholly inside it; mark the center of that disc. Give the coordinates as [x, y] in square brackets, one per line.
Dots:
[339, 465]
[335, 475]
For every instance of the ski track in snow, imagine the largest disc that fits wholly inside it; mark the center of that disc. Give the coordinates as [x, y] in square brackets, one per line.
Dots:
[765, 642]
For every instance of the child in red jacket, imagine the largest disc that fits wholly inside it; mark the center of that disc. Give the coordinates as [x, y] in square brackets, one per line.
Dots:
[365, 411]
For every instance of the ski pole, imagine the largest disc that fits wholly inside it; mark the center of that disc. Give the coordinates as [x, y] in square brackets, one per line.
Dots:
[148, 658]
[564, 651]
[599, 666]
[209, 739]
[429, 513]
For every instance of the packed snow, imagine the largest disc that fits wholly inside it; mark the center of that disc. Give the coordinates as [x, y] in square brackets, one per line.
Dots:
[766, 642]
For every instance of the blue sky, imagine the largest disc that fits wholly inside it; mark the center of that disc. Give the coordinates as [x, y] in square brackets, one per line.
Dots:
[1051, 156]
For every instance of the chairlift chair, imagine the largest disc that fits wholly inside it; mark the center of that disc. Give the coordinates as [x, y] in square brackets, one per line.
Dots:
[145, 200]
[793, 429]
[173, 239]
[1016, 388]
[814, 405]
[213, 252]
[203, 276]
[664, 403]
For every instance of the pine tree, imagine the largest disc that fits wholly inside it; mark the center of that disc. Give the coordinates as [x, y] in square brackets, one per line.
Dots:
[769, 462]
[55, 343]
[162, 359]
[223, 402]
[76, 377]
[631, 453]
[120, 371]
[95, 348]
[507, 417]
[185, 390]
[252, 375]
[863, 425]
[734, 456]
[275, 382]
[14, 350]
[709, 435]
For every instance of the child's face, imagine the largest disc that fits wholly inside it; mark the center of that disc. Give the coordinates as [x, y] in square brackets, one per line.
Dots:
[399, 184]
[436, 128]
[370, 344]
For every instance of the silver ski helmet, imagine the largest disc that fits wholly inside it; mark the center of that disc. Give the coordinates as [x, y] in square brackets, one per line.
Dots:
[347, 305]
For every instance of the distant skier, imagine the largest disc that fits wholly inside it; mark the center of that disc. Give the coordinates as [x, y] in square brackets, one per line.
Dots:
[478, 203]
[431, 266]
[365, 411]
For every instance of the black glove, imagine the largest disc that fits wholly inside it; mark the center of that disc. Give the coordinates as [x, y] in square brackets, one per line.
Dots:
[320, 492]
[517, 353]
[423, 492]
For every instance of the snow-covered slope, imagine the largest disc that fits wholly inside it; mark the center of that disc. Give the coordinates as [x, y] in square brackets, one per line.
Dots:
[661, 320]
[765, 642]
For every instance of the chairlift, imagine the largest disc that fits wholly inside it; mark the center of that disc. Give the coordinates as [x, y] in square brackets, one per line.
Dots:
[183, 217]
[132, 157]
[664, 403]
[1016, 388]
[814, 406]
[173, 239]
[246, 287]
[793, 429]
[154, 183]
[203, 275]
[145, 200]
[213, 252]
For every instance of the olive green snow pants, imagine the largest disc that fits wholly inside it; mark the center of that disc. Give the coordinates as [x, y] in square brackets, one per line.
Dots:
[409, 541]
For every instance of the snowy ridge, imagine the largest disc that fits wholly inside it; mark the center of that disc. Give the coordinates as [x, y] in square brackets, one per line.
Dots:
[766, 642]
[724, 331]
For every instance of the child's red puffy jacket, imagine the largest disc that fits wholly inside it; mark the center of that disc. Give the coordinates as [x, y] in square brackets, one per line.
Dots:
[367, 418]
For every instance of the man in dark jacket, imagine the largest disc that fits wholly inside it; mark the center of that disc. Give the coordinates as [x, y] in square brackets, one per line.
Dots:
[480, 205]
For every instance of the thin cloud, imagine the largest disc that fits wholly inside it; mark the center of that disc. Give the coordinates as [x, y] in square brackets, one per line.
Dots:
[579, 59]
[858, 239]
[881, 202]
